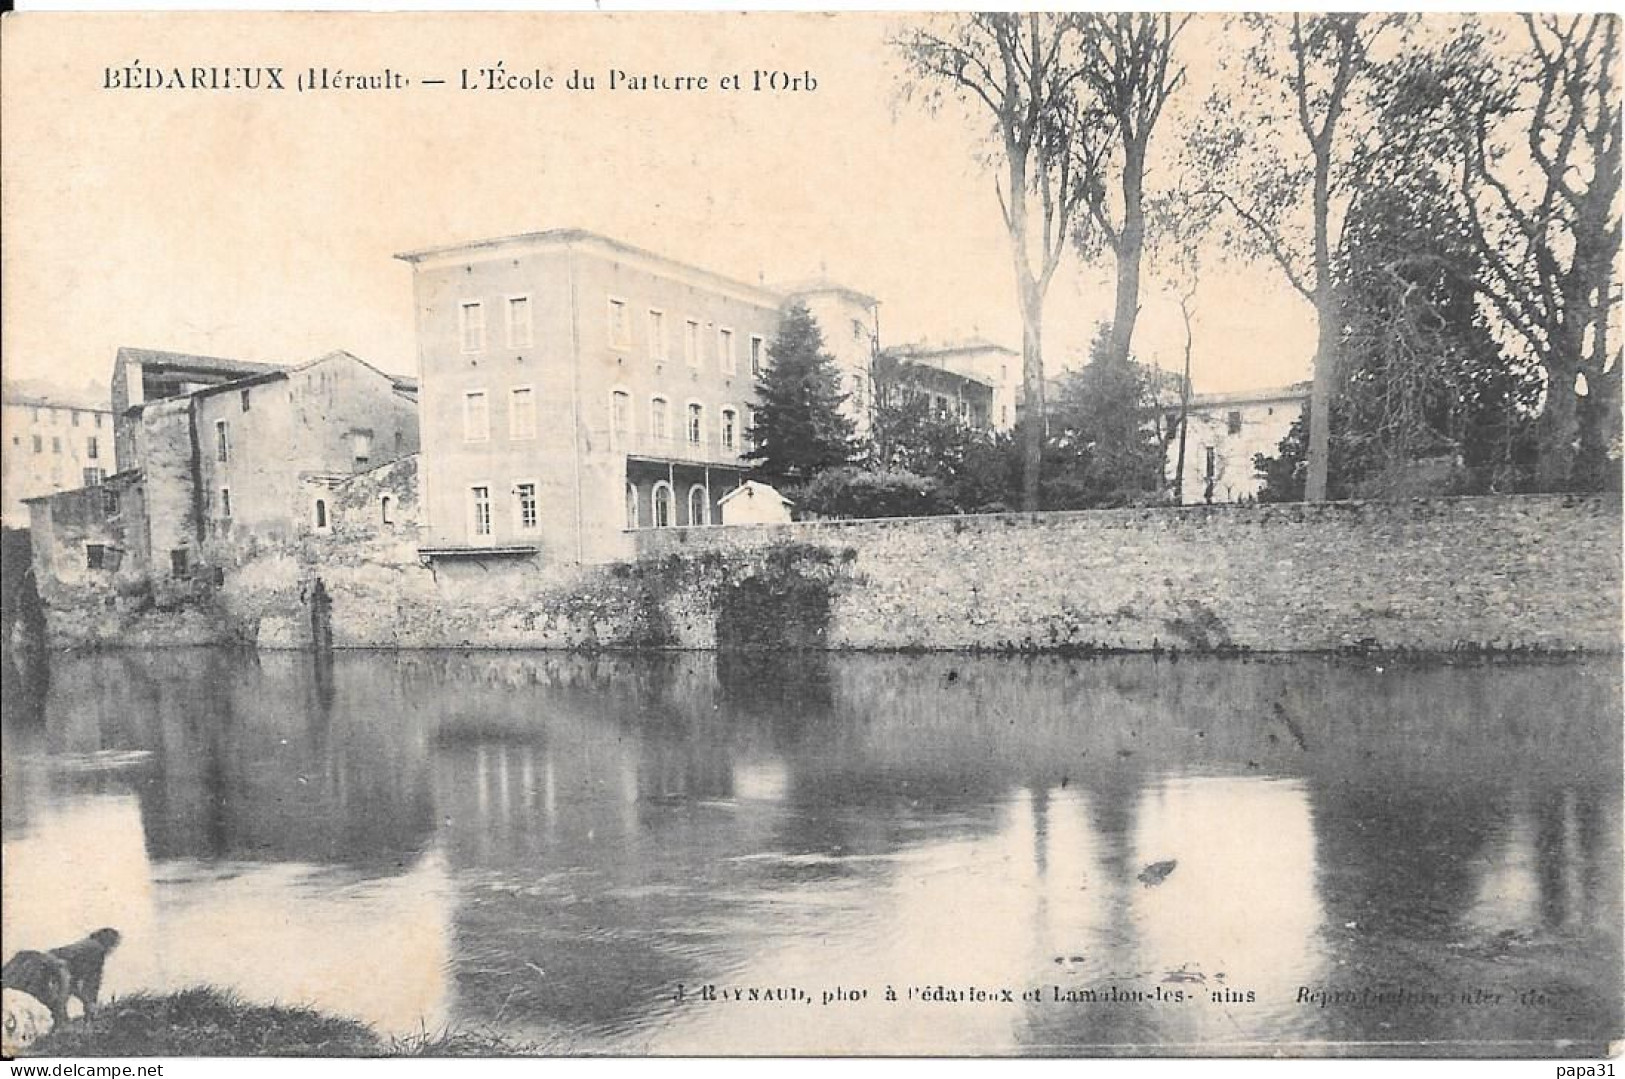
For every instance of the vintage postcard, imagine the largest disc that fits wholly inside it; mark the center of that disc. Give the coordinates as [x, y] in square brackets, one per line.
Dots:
[845, 534]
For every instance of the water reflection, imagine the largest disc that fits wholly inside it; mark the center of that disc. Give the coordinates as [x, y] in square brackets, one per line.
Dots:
[552, 845]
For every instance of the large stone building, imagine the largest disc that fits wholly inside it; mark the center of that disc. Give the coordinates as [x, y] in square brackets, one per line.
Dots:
[575, 387]
[1224, 432]
[51, 443]
[223, 464]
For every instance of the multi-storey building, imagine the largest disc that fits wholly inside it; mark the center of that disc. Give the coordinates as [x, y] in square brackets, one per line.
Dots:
[51, 444]
[226, 464]
[141, 375]
[990, 374]
[574, 386]
[1224, 432]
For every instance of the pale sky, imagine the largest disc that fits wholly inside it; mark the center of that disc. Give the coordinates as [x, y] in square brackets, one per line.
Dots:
[261, 225]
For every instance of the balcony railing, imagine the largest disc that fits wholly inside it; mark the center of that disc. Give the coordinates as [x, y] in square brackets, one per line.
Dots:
[706, 450]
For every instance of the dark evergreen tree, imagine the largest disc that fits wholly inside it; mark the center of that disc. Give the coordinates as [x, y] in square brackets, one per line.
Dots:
[800, 429]
[1104, 448]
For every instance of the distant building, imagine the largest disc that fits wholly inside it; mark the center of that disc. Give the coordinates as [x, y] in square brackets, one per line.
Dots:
[898, 377]
[224, 464]
[991, 378]
[1224, 432]
[51, 443]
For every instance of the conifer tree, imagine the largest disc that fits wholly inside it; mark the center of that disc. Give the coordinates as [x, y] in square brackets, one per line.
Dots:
[800, 429]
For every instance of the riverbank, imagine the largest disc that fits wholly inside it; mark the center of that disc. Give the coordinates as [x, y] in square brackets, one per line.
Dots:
[209, 1022]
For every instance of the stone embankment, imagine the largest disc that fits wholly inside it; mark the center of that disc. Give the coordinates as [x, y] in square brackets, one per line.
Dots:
[1525, 573]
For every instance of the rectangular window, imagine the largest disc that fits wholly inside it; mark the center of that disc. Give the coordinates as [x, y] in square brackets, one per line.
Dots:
[92, 450]
[242, 399]
[361, 447]
[730, 429]
[522, 412]
[519, 333]
[620, 415]
[620, 324]
[225, 503]
[93, 477]
[56, 444]
[472, 326]
[75, 415]
[98, 420]
[39, 444]
[95, 556]
[110, 502]
[691, 343]
[1232, 422]
[180, 563]
[658, 427]
[725, 350]
[222, 441]
[525, 495]
[657, 334]
[481, 521]
[696, 425]
[476, 416]
[756, 355]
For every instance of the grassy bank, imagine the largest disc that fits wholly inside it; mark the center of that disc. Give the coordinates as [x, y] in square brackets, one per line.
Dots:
[206, 1022]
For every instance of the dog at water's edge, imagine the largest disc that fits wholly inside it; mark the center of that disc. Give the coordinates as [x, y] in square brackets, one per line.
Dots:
[45, 981]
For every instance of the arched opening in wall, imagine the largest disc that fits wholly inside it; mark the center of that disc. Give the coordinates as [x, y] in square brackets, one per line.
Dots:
[662, 505]
[699, 505]
[386, 510]
[321, 514]
[631, 506]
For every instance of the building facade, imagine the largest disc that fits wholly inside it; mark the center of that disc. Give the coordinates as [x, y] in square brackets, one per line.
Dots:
[1224, 432]
[574, 387]
[51, 444]
[989, 371]
[224, 467]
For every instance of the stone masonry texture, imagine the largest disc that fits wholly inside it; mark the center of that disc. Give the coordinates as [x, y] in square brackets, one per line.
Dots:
[1524, 573]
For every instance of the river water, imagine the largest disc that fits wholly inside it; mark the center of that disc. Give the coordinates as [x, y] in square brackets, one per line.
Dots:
[615, 854]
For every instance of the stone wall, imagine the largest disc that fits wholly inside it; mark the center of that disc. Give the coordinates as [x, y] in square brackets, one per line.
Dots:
[1527, 573]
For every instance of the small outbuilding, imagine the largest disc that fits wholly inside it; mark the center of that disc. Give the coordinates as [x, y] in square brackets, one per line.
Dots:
[753, 503]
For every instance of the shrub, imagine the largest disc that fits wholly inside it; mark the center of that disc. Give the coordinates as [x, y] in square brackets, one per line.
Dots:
[852, 492]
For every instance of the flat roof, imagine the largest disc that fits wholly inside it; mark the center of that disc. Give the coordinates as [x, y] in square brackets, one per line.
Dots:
[1297, 391]
[564, 237]
[152, 357]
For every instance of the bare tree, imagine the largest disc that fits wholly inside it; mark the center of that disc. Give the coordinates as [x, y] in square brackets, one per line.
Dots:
[1543, 206]
[1022, 69]
[1129, 67]
[1315, 67]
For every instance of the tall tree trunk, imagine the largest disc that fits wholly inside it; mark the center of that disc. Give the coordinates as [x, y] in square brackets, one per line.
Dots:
[1129, 251]
[1184, 405]
[1559, 425]
[1036, 419]
[1328, 335]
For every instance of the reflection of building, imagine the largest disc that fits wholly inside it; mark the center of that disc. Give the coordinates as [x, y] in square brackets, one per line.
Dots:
[52, 443]
[1225, 431]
